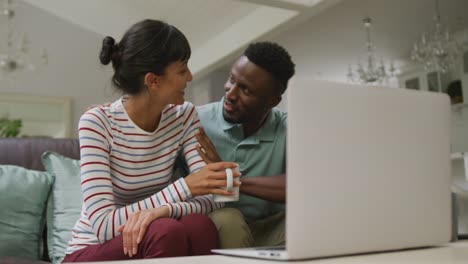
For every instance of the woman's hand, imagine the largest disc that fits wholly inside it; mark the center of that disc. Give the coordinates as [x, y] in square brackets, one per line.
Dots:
[135, 228]
[211, 179]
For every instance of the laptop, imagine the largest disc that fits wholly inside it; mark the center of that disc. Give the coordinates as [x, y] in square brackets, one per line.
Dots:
[368, 170]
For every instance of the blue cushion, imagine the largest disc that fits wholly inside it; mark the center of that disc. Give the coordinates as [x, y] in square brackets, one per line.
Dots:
[23, 202]
[64, 206]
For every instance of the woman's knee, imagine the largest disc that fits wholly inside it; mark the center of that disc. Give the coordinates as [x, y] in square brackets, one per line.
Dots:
[202, 233]
[199, 224]
[166, 237]
[167, 227]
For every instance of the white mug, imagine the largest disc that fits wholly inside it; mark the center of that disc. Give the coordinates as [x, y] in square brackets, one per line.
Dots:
[229, 187]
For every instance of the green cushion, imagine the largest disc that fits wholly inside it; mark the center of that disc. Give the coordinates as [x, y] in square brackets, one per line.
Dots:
[64, 206]
[23, 201]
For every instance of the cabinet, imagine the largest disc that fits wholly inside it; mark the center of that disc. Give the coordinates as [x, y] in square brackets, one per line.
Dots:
[460, 189]
[416, 78]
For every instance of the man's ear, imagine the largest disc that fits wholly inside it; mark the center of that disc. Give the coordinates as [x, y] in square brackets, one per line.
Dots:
[152, 80]
[274, 101]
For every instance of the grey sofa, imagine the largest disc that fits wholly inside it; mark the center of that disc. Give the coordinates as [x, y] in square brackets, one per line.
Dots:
[26, 152]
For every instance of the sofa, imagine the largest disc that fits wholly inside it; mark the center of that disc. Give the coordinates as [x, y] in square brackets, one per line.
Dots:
[40, 196]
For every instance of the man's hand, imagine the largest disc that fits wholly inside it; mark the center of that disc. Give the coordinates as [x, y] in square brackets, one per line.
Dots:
[206, 149]
[135, 228]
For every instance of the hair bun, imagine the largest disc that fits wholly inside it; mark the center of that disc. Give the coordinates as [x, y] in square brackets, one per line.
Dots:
[107, 50]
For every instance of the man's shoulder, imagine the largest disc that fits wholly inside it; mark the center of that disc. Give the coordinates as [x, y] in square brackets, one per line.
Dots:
[279, 113]
[208, 111]
[280, 117]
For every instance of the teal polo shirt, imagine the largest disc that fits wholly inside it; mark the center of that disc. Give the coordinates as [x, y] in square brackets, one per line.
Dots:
[261, 154]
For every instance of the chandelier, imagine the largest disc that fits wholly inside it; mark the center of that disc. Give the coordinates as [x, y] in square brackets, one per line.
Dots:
[373, 71]
[437, 51]
[15, 58]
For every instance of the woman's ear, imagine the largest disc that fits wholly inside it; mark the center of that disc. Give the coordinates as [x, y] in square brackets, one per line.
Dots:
[152, 80]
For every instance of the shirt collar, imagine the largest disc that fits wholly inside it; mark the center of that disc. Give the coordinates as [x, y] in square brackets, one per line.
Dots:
[265, 133]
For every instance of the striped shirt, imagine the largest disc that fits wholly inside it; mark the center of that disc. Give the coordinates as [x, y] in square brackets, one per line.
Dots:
[125, 169]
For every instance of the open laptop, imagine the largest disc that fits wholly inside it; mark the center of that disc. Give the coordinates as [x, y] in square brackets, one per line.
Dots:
[368, 170]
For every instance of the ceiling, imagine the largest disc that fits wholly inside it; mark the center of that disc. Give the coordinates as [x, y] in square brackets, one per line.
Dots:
[217, 29]
[336, 38]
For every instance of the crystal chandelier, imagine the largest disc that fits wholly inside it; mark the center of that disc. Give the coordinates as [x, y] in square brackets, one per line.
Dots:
[14, 59]
[437, 51]
[374, 71]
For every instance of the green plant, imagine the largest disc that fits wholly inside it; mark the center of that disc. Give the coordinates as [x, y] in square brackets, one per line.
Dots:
[10, 128]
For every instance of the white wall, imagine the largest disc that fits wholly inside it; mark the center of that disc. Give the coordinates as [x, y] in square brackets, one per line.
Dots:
[209, 88]
[318, 51]
[323, 46]
[199, 92]
[73, 69]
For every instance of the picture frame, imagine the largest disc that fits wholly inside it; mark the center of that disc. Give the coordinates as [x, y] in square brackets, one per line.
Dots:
[41, 116]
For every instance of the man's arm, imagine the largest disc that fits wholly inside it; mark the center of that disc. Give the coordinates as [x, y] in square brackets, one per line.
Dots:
[270, 188]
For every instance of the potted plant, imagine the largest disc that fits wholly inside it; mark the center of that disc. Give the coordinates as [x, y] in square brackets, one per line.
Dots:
[10, 127]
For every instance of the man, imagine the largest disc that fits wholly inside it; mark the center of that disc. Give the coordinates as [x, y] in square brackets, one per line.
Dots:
[246, 128]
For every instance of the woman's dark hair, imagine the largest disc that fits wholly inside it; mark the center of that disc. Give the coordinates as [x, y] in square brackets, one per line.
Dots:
[274, 59]
[148, 46]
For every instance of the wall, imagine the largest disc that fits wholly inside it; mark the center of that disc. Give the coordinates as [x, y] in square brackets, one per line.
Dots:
[198, 91]
[460, 114]
[315, 46]
[73, 68]
[323, 46]
[209, 88]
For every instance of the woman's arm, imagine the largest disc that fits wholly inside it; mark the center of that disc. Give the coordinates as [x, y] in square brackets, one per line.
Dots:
[200, 182]
[103, 213]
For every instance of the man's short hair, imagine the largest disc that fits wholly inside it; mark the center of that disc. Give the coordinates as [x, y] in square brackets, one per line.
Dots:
[455, 89]
[274, 59]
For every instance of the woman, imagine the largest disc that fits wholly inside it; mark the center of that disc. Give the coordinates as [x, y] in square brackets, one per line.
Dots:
[128, 149]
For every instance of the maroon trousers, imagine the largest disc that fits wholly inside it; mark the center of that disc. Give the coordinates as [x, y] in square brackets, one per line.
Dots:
[193, 234]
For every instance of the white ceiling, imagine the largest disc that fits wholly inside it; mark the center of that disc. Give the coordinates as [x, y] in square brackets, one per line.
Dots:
[218, 29]
[113, 17]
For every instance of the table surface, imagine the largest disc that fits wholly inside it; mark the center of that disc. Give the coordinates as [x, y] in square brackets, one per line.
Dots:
[449, 253]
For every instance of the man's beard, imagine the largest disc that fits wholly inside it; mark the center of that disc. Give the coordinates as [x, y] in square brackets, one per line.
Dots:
[232, 120]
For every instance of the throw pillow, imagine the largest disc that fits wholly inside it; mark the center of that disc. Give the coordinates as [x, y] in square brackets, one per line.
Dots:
[64, 206]
[23, 202]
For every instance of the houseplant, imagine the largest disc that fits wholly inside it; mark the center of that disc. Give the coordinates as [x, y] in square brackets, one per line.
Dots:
[10, 127]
